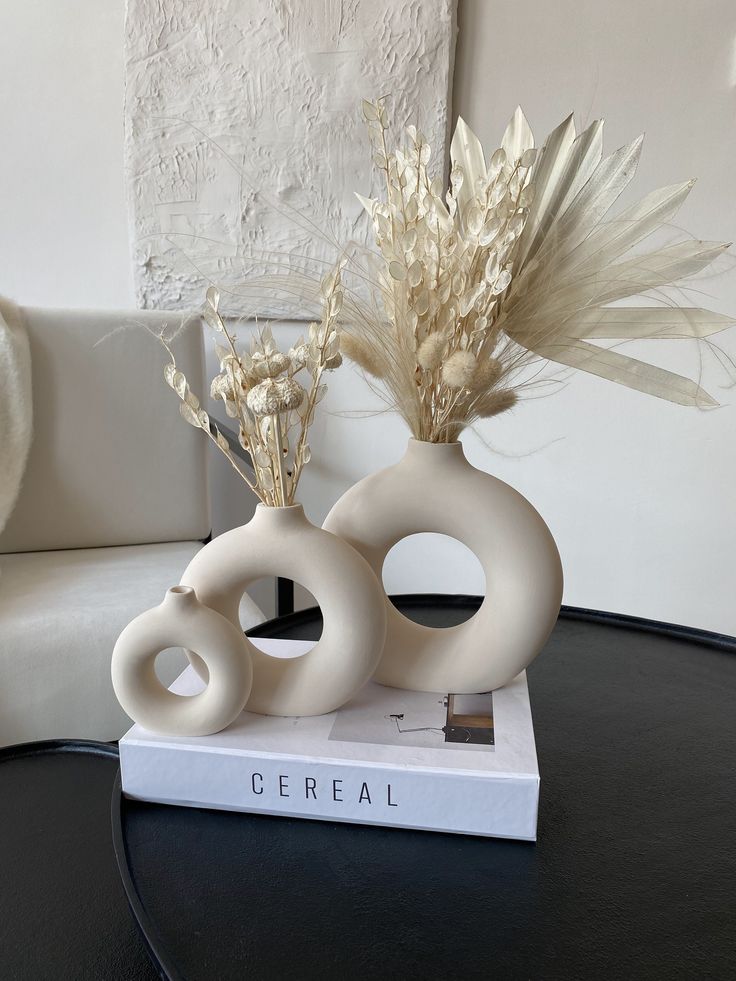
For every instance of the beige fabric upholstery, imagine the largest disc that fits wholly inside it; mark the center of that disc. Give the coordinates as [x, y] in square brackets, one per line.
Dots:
[60, 615]
[112, 462]
[16, 405]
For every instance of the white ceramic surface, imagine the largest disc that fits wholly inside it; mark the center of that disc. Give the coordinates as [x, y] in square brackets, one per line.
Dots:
[434, 488]
[182, 621]
[283, 542]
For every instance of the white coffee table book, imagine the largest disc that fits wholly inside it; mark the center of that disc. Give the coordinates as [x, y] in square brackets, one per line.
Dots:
[465, 764]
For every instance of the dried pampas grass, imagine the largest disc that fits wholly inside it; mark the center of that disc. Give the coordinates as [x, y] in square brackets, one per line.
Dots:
[356, 349]
[430, 351]
[487, 374]
[459, 370]
[493, 402]
[516, 263]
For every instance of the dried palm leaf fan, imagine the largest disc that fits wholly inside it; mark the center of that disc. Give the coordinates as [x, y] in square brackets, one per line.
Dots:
[518, 263]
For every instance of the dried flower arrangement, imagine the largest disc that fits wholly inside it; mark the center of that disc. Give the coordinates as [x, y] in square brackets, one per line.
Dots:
[262, 390]
[516, 265]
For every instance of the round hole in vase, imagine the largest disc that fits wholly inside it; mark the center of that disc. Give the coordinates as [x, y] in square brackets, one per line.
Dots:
[263, 593]
[432, 563]
[169, 664]
[434, 488]
[281, 541]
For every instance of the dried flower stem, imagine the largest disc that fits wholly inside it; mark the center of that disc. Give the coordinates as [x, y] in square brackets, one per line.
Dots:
[262, 392]
[218, 439]
[279, 440]
[324, 347]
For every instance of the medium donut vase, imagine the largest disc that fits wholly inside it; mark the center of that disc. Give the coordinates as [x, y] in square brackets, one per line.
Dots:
[181, 621]
[435, 489]
[281, 541]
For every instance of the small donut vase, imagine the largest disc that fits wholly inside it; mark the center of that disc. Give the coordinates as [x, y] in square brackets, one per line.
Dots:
[182, 621]
[434, 488]
[281, 541]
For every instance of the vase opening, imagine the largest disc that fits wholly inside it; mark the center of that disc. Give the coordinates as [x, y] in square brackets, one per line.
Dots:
[181, 597]
[422, 446]
[439, 564]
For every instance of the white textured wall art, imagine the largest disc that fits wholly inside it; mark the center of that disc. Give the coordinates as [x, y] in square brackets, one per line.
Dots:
[241, 112]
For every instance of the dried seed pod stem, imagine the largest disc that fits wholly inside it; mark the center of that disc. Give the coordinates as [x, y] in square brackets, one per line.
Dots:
[261, 391]
[279, 439]
[217, 438]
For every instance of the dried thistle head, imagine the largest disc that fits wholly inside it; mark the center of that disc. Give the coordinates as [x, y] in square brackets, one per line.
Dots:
[258, 388]
[275, 396]
[269, 364]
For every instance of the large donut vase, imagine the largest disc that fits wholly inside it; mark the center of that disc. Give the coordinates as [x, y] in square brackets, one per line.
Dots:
[435, 489]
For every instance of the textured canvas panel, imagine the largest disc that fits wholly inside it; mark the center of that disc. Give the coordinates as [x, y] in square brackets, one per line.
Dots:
[229, 98]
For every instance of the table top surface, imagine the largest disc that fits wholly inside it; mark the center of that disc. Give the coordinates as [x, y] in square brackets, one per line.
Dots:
[63, 909]
[633, 874]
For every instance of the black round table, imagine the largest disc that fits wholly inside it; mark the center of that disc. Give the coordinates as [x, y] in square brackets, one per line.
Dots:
[63, 911]
[633, 875]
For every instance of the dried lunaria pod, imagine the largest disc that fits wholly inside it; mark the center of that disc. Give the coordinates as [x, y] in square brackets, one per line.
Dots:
[518, 262]
[260, 389]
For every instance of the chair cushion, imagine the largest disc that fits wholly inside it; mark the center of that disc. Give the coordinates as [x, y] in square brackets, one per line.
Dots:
[60, 615]
[111, 462]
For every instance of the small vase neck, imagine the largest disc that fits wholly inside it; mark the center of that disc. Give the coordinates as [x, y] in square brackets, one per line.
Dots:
[418, 449]
[279, 517]
[180, 597]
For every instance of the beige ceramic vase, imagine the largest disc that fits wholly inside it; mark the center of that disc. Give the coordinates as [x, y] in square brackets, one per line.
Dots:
[182, 621]
[281, 541]
[435, 489]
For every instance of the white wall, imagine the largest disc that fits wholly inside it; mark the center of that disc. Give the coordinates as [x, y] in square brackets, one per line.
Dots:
[63, 230]
[639, 493]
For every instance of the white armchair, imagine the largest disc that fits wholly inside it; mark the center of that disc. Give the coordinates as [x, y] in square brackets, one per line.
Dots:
[113, 505]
